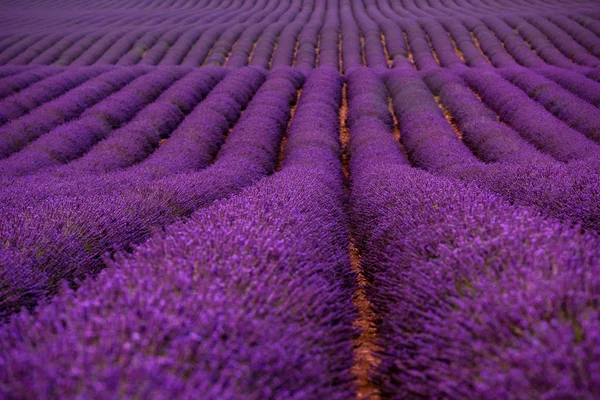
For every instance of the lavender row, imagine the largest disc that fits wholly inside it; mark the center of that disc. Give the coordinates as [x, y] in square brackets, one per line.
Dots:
[305, 52]
[17, 133]
[467, 44]
[578, 84]
[209, 113]
[176, 12]
[27, 54]
[6, 71]
[441, 43]
[576, 113]
[583, 36]
[192, 145]
[134, 141]
[488, 138]
[565, 43]
[13, 84]
[519, 45]
[276, 322]
[395, 45]
[222, 47]
[190, 141]
[65, 237]
[464, 280]
[130, 48]
[51, 54]
[539, 42]
[198, 52]
[505, 42]
[195, 143]
[329, 49]
[259, 50]
[524, 175]
[41, 92]
[372, 43]
[530, 119]
[467, 278]
[281, 50]
[489, 44]
[19, 47]
[255, 309]
[425, 134]
[73, 139]
[198, 40]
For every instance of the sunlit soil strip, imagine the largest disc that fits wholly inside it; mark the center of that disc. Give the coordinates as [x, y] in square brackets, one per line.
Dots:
[344, 133]
[295, 58]
[228, 55]
[396, 129]
[231, 126]
[458, 52]
[485, 104]
[433, 53]
[364, 358]
[448, 117]
[340, 58]
[525, 40]
[362, 50]
[409, 54]
[503, 46]
[283, 139]
[476, 42]
[210, 51]
[364, 346]
[273, 53]
[317, 50]
[252, 51]
[390, 62]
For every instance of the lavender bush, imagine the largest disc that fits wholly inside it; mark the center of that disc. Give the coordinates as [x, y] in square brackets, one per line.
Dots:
[273, 199]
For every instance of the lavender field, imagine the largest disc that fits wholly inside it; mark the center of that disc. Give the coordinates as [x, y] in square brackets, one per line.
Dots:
[300, 199]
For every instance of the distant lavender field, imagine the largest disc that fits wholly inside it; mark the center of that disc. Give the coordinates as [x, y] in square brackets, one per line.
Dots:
[300, 199]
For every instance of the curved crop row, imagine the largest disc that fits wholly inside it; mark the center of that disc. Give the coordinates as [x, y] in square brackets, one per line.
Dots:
[488, 138]
[471, 293]
[573, 111]
[17, 133]
[64, 237]
[435, 37]
[48, 89]
[272, 308]
[74, 139]
[15, 83]
[530, 119]
[425, 134]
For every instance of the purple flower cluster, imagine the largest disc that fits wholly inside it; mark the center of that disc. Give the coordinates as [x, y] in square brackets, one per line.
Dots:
[575, 112]
[583, 87]
[530, 119]
[291, 199]
[266, 317]
[17, 133]
[474, 298]
[72, 140]
[37, 94]
[16, 82]
[73, 223]
[425, 134]
[487, 137]
[273, 34]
